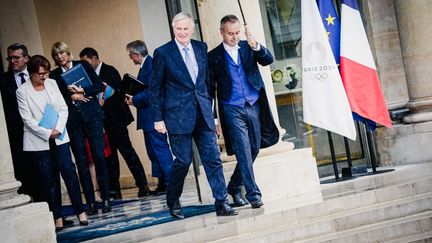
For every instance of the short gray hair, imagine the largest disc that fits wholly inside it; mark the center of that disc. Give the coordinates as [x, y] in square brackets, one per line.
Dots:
[181, 16]
[138, 46]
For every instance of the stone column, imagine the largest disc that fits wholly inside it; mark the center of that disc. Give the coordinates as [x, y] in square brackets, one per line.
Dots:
[210, 13]
[385, 44]
[415, 31]
[20, 221]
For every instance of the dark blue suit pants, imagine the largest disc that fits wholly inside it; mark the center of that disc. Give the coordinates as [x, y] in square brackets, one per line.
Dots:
[181, 146]
[48, 164]
[93, 131]
[245, 133]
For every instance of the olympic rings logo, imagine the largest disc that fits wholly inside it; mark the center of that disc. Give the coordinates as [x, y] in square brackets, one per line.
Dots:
[318, 76]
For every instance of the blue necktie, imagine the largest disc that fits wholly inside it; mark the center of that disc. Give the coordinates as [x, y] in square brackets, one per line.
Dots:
[189, 64]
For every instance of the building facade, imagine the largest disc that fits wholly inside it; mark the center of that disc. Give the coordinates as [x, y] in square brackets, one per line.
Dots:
[401, 52]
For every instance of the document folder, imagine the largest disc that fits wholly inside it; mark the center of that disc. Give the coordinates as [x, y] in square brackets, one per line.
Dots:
[78, 76]
[49, 119]
[132, 85]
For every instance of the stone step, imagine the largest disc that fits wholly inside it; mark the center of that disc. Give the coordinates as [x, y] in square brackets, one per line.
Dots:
[402, 174]
[425, 237]
[382, 193]
[392, 230]
[340, 222]
[274, 214]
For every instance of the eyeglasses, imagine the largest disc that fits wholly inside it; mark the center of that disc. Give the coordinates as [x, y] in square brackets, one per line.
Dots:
[42, 75]
[13, 58]
[133, 53]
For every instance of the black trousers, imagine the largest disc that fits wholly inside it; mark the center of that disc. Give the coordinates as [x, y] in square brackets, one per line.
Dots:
[118, 138]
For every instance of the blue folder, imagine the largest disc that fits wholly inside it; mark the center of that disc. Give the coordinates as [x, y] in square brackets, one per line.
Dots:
[49, 119]
[78, 76]
[109, 91]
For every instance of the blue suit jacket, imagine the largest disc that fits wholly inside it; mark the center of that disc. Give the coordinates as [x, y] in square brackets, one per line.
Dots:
[221, 80]
[142, 100]
[175, 98]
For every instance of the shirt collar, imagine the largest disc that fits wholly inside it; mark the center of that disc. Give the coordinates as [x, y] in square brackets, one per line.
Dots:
[24, 71]
[180, 46]
[97, 70]
[230, 48]
[70, 66]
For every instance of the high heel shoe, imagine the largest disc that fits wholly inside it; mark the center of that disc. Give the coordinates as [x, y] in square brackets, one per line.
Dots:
[92, 209]
[58, 221]
[106, 206]
[83, 222]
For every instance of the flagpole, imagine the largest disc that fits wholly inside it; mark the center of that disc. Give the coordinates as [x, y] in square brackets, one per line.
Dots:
[333, 156]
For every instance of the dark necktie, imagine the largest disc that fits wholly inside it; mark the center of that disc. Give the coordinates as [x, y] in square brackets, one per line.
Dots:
[22, 77]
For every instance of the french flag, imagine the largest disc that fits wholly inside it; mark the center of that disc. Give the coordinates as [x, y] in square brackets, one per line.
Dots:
[358, 70]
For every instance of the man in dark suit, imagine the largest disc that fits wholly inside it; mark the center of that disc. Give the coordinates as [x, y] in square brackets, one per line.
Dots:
[243, 104]
[117, 117]
[17, 55]
[181, 105]
[156, 143]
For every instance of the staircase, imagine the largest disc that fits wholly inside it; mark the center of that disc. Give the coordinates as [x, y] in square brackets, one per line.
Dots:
[388, 207]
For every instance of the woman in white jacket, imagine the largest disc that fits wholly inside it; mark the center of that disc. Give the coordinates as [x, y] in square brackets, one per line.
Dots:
[44, 113]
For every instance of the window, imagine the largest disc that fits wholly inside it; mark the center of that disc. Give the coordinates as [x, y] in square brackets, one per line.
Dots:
[282, 25]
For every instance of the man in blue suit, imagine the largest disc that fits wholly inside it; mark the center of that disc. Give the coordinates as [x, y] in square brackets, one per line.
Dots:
[156, 143]
[246, 120]
[182, 106]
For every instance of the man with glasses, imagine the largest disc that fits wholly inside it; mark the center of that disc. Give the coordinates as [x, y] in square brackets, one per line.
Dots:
[156, 143]
[17, 74]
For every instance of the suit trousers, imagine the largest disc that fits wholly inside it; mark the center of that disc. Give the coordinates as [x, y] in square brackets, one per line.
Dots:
[244, 128]
[118, 137]
[49, 164]
[160, 155]
[93, 131]
[181, 146]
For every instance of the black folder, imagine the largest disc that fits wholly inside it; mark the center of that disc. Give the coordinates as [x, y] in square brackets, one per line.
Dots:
[78, 76]
[132, 85]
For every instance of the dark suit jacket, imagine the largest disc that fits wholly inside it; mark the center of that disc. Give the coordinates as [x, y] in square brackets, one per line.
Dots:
[85, 111]
[142, 100]
[221, 80]
[116, 110]
[14, 122]
[175, 98]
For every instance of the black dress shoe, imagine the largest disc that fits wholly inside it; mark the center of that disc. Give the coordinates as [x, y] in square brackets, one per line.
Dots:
[176, 210]
[238, 199]
[92, 210]
[225, 210]
[115, 195]
[144, 191]
[257, 203]
[106, 206]
[160, 190]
